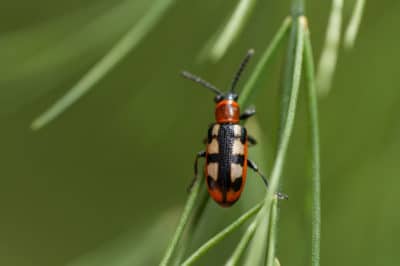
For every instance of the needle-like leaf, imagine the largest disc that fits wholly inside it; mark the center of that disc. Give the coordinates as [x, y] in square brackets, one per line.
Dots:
[354, 25]
[106, 64]
[327, 61]
[315, 153]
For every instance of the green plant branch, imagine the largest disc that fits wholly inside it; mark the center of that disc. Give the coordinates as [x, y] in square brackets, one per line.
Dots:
[315, 150]
[291, 112]
[286, 133]
[287, 77]
[106, 64]
[217, 46]
[221, 235]
[297, 9]
[202, 200]
[182, 223]
[272, 233]
[249, 88]
[328, 59]
[293, 93]
[256, 251]
[241, 247]
[354, 25]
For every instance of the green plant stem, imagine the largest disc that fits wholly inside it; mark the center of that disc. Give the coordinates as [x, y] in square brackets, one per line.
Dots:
[245, 96]
[315, 150]
[287, 77]
[328, 59]
[249, 88]
[202, 200]
[221, 235]
[182, 223]
[241, 247]
[232, 28]
[297, 9]
[354, 25]
[256, 251]
[291, 112]
[257, 255]
[272, 233]
[106, 64]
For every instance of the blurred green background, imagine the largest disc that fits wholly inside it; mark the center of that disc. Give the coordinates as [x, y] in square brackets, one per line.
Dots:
[104, 184]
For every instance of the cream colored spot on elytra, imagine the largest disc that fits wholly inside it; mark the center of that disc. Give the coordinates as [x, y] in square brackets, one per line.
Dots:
[215, 130]
[212, 170]
[213, 147]
[237, 131]
[236, 171]
[237, 147]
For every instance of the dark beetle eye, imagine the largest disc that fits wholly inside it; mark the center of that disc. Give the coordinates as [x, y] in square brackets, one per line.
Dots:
[218, 98]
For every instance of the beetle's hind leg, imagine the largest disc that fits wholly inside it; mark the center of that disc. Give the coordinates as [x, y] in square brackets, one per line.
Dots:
[254, 167]
[200, 154]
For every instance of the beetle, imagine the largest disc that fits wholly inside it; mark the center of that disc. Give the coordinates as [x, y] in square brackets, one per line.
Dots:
[227, 144]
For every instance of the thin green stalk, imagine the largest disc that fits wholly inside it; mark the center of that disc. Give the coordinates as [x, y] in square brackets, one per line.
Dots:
[241, 247]
[217, 46]
[297, 9]
[354, 25]
[287, 77]
[291, 112]
[221, 235]
[315, 150]
[327, 61]
[203, 199]
[106, 64]
[256, 251]
[256, 255]
[182, 223]
[272, 233]
[249, 88]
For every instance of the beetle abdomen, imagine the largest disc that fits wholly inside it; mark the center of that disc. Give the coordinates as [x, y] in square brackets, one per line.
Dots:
[226, 162]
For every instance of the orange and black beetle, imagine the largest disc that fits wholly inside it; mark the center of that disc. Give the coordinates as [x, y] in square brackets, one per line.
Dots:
[227, 142]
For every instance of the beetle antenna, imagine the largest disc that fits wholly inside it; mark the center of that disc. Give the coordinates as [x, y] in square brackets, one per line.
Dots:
[199, 80]
[241, 68]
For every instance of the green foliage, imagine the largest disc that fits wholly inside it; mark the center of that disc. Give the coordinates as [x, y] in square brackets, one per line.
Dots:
[107, 63]
[315, 167]
[108, 38]
[354, 24]
[217, 46]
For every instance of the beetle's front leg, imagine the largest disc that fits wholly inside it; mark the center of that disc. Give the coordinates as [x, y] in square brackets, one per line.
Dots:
[200, 154]
[254, 167]
[249, 112]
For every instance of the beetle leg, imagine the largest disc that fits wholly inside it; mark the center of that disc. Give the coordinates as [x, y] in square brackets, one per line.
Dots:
[200, 154]
[252, 141]
[254, 167]
[247, 113]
